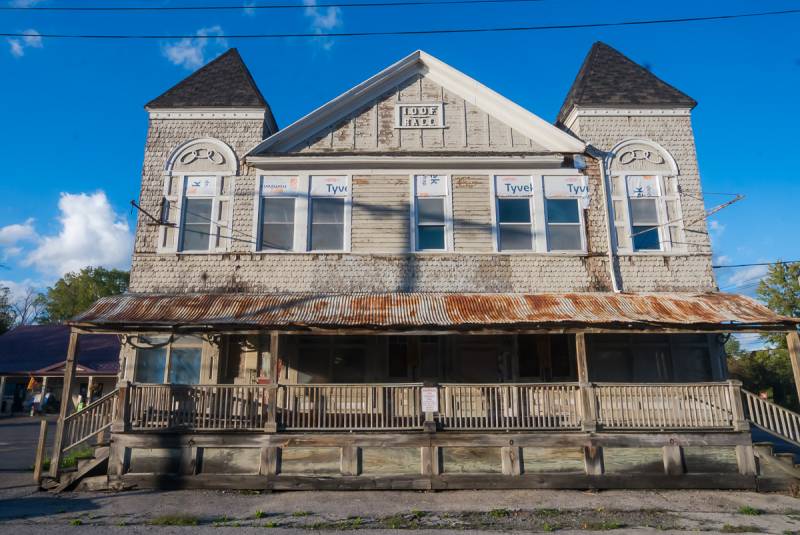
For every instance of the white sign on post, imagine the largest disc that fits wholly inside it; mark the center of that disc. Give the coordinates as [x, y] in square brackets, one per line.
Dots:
[201, 186]
[278, 185]
[513, 186]
[430, 399]
[431, 185]
[643, 186]
[329, 186]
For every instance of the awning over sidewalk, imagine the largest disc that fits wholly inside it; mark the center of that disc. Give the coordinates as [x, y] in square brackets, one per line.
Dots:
[713, 312]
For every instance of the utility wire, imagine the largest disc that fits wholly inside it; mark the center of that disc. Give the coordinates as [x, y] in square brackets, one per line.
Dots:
[414, 32]
[719, 266]
[402, 3]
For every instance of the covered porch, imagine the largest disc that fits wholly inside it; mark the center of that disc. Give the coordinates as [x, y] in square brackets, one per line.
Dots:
[290, 391]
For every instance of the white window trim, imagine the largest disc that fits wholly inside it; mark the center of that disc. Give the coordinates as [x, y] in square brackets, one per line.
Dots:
[449, 242]
[581, 220]
[539, 231]
[665, 242]
[218, 226]
[300, 207]
[348, 214]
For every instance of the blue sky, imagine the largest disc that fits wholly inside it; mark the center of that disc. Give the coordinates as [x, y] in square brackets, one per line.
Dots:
[75, 124]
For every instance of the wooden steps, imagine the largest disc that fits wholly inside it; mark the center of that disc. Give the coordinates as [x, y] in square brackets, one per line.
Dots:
[99, 463]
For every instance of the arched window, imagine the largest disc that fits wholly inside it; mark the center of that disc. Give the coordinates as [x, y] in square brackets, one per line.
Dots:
[198, 194]
[645, 197]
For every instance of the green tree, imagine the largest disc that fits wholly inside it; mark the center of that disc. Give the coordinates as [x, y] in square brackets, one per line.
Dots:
[6, 312]
[75, 292]
[770, 369]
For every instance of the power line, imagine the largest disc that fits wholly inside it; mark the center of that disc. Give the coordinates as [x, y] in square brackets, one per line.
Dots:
[260, 6]
[414, 32]
[719, 266]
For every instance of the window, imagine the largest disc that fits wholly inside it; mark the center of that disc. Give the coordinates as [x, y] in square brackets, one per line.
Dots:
[565, 197]
[278, 205]
[398, 357]
[514, 213]
[176, 362]
[430, 194]
[327, 210]
[644, 225]
[331, 359]
[204, 214]
[563, 225]
[196, 224]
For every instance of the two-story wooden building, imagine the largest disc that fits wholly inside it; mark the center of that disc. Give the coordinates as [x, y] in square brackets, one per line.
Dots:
[421, 284]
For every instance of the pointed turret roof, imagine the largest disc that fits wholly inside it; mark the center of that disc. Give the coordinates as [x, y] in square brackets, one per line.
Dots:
[222, 83]
[608, 79]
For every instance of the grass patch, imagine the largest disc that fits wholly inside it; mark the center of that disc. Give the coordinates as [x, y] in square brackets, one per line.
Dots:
[603, 525]
[729, 528]
[271, 525]
[76, 522]
[298, 514]
[71, 459]
[260, 514]
[174, 520]
[499, 513]
[747, 510]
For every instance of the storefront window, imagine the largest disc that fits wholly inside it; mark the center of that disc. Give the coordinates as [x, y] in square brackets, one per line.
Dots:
[176, 362]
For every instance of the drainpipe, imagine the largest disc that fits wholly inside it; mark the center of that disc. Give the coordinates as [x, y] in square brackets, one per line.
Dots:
[611, 242]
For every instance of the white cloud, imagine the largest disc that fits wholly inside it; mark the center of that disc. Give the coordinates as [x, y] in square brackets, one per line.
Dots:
[716, 228]
[747, 275]
[17, 50]
[323, 20]
[91, 234]
[723, 259]
[31, 39]
[18, 289]
[191, 53]
[10, 235]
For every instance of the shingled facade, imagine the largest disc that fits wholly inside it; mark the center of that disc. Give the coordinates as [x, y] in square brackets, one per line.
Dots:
[421, 284]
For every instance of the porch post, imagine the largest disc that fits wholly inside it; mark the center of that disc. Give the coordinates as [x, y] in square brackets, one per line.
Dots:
[587, 393]
[272, 394]
[740, 423]
[793, 343]
[580, 355]
[3, 408]
[69, 376]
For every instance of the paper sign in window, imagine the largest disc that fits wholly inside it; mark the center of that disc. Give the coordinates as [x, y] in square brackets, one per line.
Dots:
[643, 186]
[513, 186]
[201, 186]
[431, 185]
[278, 185]
[329, 186]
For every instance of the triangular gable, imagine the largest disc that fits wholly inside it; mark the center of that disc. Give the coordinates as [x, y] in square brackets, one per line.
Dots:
[372, 107]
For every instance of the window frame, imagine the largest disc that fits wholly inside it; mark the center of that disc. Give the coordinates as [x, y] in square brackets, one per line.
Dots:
[218, 224]
[347, 215]
[175, 343]
[534, 213]
[582, 208]
[447, 201]
[300, 206]
[666, 245]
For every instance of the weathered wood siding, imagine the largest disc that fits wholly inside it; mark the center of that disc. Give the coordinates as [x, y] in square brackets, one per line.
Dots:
[472, 214]
[381, 215]
[372, 128]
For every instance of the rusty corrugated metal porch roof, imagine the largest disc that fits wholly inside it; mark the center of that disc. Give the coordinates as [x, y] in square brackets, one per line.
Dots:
[714, 312]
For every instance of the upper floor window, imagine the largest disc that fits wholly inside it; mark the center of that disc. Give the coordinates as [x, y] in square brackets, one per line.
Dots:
[278, 205]
[204, 214]
[645, 198]
[196, 202]
[565, 198]
[432, 213]
[328, 207]
[515, 222]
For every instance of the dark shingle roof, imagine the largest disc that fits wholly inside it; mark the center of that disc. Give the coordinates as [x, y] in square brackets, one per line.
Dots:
[608, 79]
[223, 83]
[29, 348]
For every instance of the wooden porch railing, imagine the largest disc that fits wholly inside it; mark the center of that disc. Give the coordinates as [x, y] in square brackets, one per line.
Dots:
[461, 407]
[509, 406]
[772, 417]
[199, 407]
[350, 407]
[666, 406]
[90, 421]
